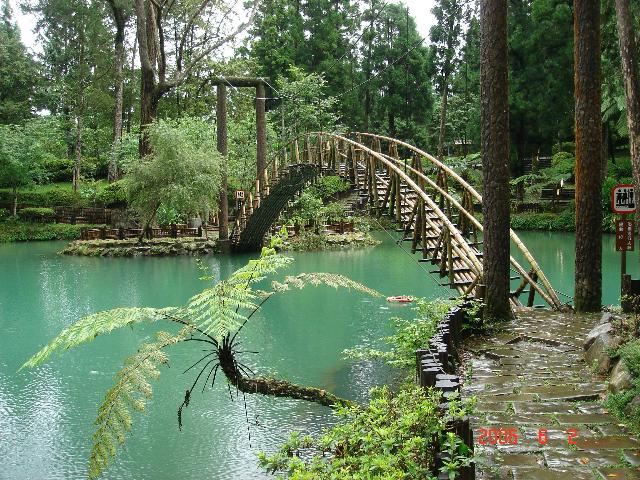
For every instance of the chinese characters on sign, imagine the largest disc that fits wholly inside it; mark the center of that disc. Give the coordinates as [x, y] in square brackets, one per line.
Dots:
[624, 236]
[623, 199]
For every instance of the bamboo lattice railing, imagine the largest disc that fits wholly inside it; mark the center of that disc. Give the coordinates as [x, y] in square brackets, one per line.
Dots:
[436, 215]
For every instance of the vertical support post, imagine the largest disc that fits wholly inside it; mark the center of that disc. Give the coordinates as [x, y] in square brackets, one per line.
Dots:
[532, 290]
[398, 200]
[261, 132]
[221, 134]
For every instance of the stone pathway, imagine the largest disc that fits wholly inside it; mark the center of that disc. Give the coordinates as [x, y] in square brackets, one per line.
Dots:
[532, 382]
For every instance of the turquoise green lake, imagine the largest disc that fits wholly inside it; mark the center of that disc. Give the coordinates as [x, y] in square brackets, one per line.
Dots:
[46, 414]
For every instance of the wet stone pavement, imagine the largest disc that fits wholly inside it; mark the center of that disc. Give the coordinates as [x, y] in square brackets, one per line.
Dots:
[535, 396]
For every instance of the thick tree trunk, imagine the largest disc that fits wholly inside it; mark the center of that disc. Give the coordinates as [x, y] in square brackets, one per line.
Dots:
[443, 116]
[628, 54]
[221, 132]
[494, 101]
[272, 386]
[149, 100]
[120, 21]
[588, 274]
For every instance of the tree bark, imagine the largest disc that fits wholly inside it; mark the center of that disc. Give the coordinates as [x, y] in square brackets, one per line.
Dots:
[221, 133]
[495, 156]
[628, 54]
[120, 21]
[588, 272]
[443, 116]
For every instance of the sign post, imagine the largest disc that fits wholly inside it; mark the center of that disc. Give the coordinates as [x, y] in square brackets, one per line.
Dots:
[623, 202]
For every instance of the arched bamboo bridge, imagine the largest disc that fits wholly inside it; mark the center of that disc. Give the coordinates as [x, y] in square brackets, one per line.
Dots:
[432, 205]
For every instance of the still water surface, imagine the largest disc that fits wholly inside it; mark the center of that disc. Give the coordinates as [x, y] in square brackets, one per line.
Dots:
[46, 415]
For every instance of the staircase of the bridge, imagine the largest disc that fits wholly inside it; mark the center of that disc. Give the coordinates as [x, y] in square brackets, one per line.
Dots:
[536, 395]
[433, 207]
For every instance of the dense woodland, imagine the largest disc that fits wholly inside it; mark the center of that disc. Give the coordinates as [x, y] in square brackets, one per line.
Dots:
[85, 95]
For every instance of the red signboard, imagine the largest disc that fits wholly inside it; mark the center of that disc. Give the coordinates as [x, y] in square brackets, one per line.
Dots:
[623, 199]
[624, 236]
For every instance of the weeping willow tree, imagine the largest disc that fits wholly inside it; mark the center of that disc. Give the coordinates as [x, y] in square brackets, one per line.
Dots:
[213, 317]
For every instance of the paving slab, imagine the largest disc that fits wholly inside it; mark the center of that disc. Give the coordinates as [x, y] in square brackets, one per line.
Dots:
[532, 376]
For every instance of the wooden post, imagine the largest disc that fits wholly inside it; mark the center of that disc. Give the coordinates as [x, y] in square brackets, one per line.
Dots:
[221, 134]
[532, 290]
[398, 200]
[261, 131]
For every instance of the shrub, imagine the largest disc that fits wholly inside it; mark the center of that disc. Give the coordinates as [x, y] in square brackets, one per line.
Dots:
[393, 437]
[4, 214]
[21, 232]
[114, 195]
[58, 169]
[37, 214]
[327, 187]
[47, 198]
[630, 355]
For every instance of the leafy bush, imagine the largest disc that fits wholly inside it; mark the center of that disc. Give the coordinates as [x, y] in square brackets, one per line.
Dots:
[620, 170]
[394, 437]
[305, 209]
[564, 221]
[37, 214]
[327, 187]
[409, 335]
[334, 211]
[4, 214]
[58, 169]
[630, 355]
[45, 197]
[21, 231]
[114, 195]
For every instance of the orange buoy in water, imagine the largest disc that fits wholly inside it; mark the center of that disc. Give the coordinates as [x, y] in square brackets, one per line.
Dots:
[400, 299]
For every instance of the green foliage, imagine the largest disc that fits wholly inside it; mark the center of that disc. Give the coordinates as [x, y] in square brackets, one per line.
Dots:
[58, 169]
[131, 391]
[183, 172]
[307, 107]
[394, 437]
[46, 196]
[326, 187]
[334, 211]
[113, 195]
[567, 147]
[20, 158]
[217, 312]
[408, 336]
[305, 209]
[630, 355]
[16, 231]
[37, 214]
[19, 74]
[4, 214]
[564, 221]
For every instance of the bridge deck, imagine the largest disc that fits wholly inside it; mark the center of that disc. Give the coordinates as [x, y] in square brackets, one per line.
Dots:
[433, 207]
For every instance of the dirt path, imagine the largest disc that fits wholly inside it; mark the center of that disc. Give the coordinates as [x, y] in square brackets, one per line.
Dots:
[532, 382]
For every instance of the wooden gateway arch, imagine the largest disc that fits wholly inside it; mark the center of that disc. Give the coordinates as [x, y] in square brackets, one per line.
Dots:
[433, 206]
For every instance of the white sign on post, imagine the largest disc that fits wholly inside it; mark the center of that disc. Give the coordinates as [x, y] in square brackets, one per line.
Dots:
[623, 199]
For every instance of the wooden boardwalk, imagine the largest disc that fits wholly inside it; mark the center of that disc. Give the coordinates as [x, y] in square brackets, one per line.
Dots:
[434, 208]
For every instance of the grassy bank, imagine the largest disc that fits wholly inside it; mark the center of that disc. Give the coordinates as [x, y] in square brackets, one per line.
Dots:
[558, 222]
[17, 231]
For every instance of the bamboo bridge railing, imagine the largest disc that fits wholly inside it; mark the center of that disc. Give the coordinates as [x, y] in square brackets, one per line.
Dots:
[437, 215]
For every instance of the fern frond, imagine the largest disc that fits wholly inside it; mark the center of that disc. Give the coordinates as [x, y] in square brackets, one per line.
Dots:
[221, 309]
[88, 328]
[333, 280]
[131, 391]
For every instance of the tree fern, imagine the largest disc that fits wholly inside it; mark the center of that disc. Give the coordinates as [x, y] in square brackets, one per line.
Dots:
[131, 391]
[217, 314]
[88, 328]
[333, 280]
